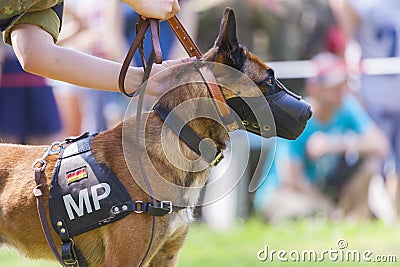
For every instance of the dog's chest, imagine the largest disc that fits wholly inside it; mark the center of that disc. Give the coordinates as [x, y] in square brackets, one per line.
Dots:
[182, 218]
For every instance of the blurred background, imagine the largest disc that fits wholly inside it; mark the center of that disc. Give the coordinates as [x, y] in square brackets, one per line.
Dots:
[338, 181]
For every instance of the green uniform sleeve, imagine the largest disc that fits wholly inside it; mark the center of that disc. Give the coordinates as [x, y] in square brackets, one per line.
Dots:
[47, 19]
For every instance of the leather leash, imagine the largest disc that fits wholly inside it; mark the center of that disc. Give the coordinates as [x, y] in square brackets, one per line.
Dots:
[141, 29]
[193, 51]
[185, 39]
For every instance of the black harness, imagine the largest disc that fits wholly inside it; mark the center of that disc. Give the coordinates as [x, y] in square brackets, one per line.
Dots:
[83, 191]
[85, 194]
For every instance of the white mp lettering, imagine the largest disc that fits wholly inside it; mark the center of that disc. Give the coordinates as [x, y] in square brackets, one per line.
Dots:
[96, 197]
[84, 200]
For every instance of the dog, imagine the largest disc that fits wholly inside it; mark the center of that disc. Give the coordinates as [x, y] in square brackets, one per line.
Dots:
[124, 242]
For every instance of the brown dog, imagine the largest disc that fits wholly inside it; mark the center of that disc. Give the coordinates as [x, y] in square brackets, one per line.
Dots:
[124, 242]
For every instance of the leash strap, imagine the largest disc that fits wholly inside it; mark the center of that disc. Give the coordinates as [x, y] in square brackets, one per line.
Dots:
[43, 218]
[140, 35]
[185, 39]
[141, 28]
[193, 51]
[227, 117]
[160, 208]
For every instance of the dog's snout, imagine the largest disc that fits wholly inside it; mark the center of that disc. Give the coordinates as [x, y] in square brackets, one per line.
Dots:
[306, 114]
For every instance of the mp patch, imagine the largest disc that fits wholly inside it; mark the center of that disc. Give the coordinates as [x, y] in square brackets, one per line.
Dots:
[83, 191]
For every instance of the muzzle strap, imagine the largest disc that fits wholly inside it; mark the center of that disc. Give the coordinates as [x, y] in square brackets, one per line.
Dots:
[223, 109]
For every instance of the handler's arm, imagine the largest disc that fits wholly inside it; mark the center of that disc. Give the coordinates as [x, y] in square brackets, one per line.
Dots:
[38, 54]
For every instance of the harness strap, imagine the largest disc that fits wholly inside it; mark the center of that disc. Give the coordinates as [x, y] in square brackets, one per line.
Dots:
[68, 257]
[159, 208]
[192, 139]
[43, 218]
[69, 253]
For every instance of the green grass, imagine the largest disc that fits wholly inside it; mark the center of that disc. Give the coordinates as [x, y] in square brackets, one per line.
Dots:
[239, 247]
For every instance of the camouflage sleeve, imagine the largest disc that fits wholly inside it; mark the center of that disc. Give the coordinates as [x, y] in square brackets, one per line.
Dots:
[47, 19]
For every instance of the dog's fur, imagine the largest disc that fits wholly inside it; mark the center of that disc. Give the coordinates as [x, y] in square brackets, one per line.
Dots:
[124, 242]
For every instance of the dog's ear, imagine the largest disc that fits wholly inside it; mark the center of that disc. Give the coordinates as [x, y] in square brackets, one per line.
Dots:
[227, 39]
[229, 50]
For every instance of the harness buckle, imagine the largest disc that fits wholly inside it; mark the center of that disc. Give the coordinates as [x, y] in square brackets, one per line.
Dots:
[167, 204]
[37, 191]
[136, 206]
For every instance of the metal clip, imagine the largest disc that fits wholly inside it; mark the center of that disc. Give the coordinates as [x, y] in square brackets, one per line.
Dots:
[37, 162]
[217, 159]
[49, 151]
[136, 206]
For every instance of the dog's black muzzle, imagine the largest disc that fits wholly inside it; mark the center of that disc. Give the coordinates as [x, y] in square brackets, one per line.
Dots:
[286, 116]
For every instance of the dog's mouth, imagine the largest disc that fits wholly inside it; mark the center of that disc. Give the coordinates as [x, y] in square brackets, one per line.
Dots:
[282, 113]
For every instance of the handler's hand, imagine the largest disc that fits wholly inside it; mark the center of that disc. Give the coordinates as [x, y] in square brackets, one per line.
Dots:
[166, 73]
[158, 9]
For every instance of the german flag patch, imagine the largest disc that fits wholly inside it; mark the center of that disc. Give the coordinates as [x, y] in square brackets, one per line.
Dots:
[76, 175]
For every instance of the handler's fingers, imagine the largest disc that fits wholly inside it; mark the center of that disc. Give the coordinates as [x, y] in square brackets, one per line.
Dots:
[175, 8]
[165, 75]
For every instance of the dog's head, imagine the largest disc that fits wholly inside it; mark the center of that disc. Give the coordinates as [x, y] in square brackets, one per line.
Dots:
[290, 113]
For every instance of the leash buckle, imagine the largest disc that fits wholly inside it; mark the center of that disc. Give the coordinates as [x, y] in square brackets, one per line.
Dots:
[42, 162]
[167, 204]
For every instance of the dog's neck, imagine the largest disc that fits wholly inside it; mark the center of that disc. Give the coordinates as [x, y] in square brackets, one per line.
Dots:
[170, 158]
[162, 141]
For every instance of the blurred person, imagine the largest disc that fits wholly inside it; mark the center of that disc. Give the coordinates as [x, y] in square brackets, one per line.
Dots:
[328, 168]
[28, 110]
[374, 27]
[32, 28]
